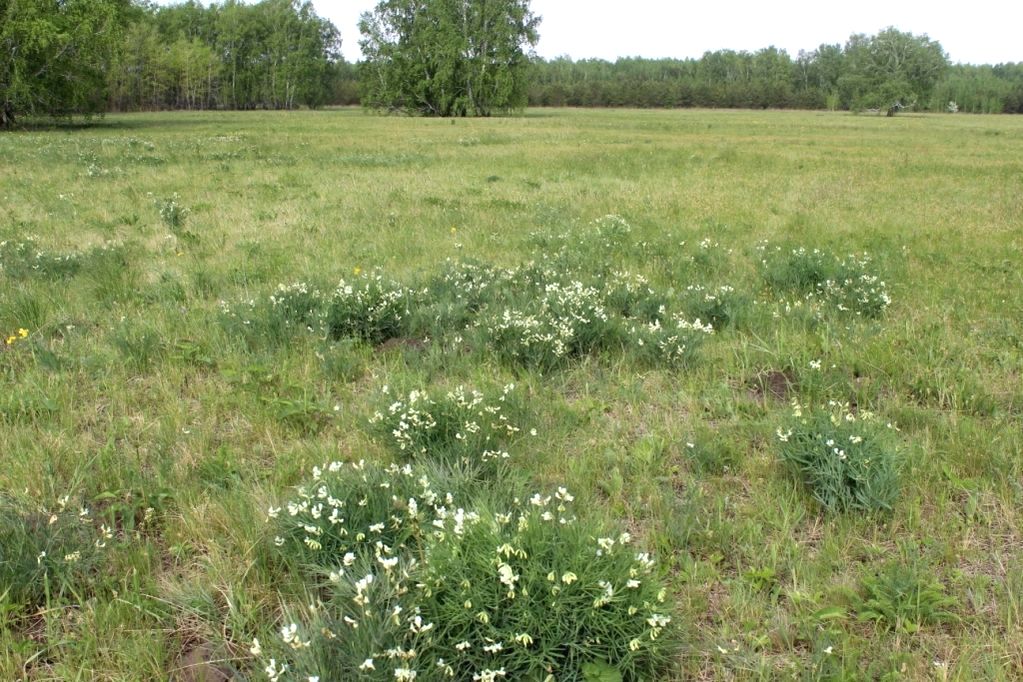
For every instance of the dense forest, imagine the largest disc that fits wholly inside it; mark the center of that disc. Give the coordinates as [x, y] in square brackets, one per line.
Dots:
[274, 54]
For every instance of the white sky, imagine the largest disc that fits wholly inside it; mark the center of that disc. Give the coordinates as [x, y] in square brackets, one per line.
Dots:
[975, 32]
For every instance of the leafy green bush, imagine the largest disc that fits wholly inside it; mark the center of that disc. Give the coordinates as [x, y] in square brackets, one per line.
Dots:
[371, 309]
[465, 427]
[417, 587]
[567, 320]
[847, 460]
[721, 306]
[903, 597]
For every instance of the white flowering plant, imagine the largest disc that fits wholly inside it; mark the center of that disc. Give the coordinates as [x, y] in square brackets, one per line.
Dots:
[49, 552]
[673, 343]
[564, 321]
[463, 427]
[415, 586]
[721, 306]
[848, 283]
[847, 460]
[369, 308]
[173, 213]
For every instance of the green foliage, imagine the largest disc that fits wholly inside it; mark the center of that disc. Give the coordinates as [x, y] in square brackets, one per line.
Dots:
[904, 596]
[370, 308]
[891, 70]
[276, 54]
[464, 428]
[722, 307]
[446, 57]
[846, 460]
[54, 56]
[48, 554]
[846, 283]
[517, 591]
[173, 214]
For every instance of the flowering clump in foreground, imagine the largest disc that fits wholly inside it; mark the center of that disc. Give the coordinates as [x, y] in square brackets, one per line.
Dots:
[846, 459]
[369, 309]
[418, 587]
[674, 343]
[465, 427]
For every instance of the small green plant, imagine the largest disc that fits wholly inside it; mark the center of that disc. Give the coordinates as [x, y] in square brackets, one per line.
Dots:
[904, 596]
[721, 306]
[140, 344]
[173, 213]
[417, 586]
[565, 321]
[48, 553]
[672, 344]
[22, 258]
[847, 460]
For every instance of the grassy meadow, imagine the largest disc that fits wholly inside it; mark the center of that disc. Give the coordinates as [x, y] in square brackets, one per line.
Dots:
[168, 410]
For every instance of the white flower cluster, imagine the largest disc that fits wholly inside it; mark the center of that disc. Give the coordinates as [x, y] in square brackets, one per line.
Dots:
[465, 422]
[564, 320]
[370, 308]
[845, 283]
[422, 555]
[673, 343]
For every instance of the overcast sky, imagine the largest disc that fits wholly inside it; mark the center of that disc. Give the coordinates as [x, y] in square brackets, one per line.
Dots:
[976, 32]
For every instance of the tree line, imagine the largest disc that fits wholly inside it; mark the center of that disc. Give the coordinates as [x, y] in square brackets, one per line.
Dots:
[61, 58]
[831, 77]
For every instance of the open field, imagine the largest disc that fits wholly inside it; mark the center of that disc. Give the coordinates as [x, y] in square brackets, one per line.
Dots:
[155, 401]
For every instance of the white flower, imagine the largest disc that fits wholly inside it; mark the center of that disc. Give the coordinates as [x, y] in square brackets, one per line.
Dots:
[255, 649]
[367, 665]
[568, 577]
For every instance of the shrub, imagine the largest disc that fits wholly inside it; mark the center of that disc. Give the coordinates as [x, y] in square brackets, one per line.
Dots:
[25, 258]
[565, 321]
[721, 306]
[173, 213]
[630, 295]
[845, 459]
[417, 587]
[370, 309]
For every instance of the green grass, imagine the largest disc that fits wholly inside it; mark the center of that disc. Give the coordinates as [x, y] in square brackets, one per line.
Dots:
[177, 425]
